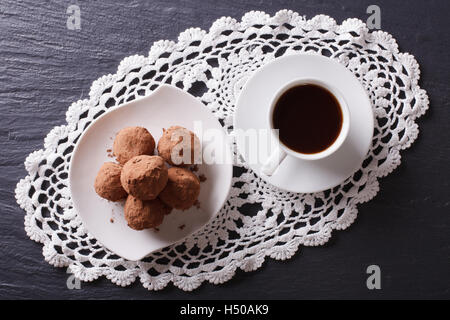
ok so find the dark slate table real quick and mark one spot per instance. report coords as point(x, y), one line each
point(405, 229)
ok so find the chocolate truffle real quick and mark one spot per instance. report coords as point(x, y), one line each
point(182, 189)
point(144, 214)
point(179, 146)
point(107, 183)
point(131, 142)
point(144, 176)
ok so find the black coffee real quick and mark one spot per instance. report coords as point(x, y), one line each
point(308, 117)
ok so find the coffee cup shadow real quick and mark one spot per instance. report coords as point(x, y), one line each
point(339, 161)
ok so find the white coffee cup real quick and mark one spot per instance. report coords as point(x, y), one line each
point(281, 151)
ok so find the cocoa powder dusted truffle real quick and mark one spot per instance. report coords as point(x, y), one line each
point(107, 183)
point(144, 214)
point(179, 146)
point(131, 142)
point(182, 189)
point(144, 176)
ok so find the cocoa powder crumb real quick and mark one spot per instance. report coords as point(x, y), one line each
point(197, 204)
point(156, 229)
point(110, 153)
point(111, 220)
point(194, 168)
point(181, 227)
point(202, 178)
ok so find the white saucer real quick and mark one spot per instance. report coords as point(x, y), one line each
point(293, 174)
point(165, 107)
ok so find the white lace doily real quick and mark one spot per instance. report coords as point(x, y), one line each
point(257, 221)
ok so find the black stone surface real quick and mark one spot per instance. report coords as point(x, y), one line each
point(405, 229)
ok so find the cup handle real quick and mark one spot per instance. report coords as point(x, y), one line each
point(274, 161)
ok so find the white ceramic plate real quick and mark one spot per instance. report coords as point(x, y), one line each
point(165, 107)
point(298, 175)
